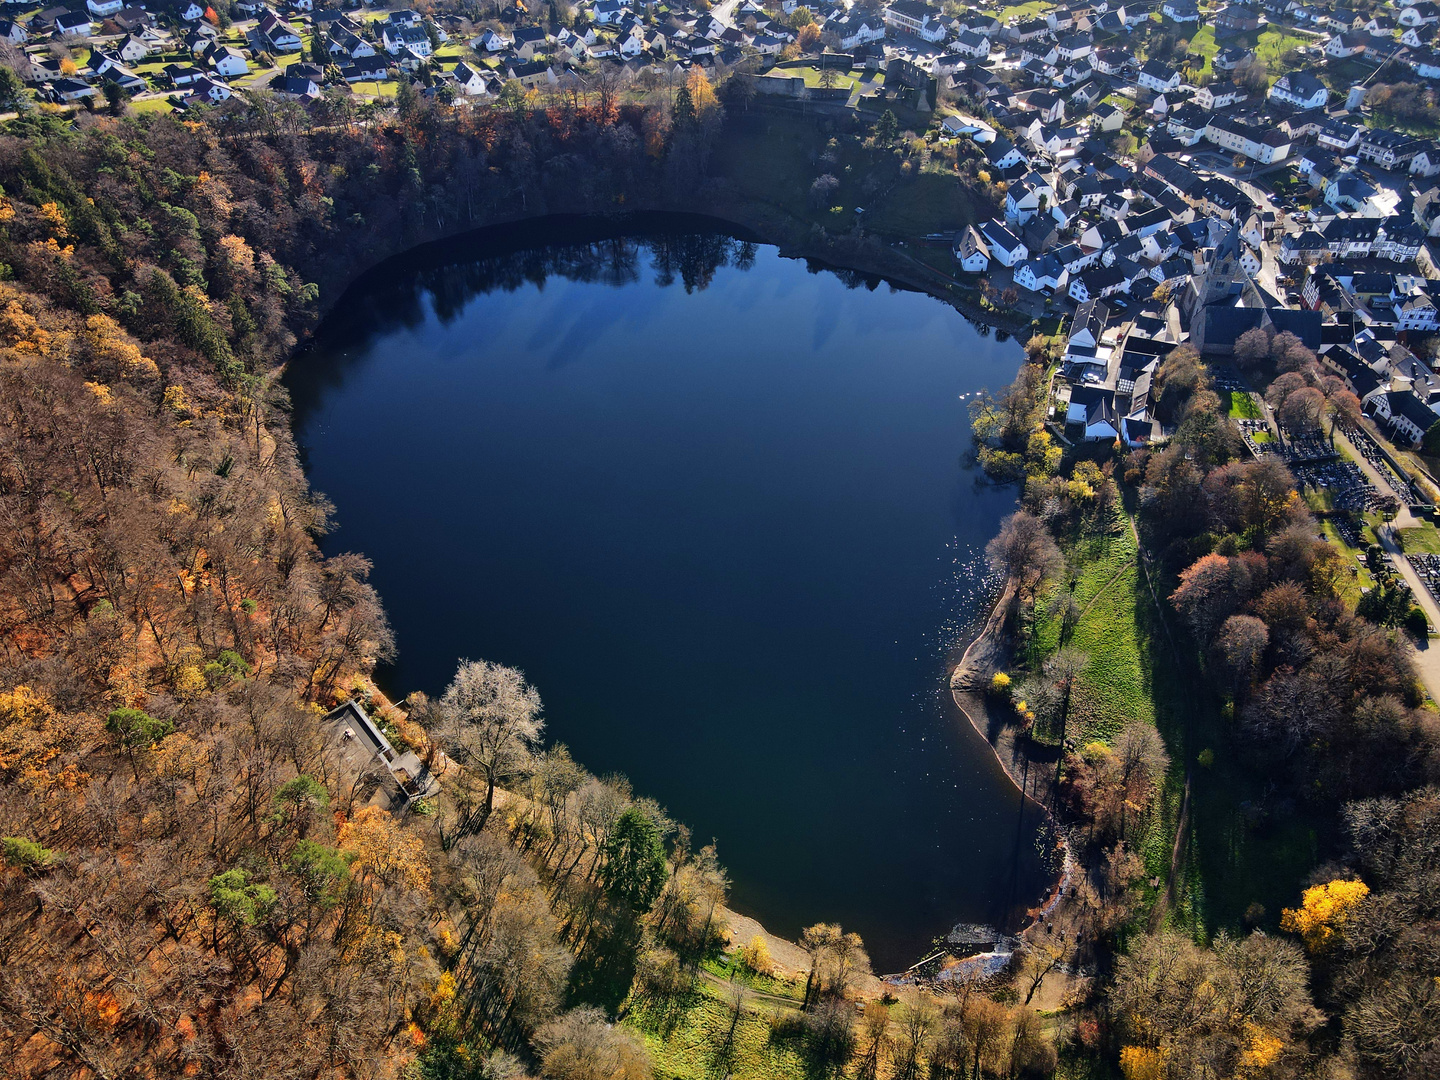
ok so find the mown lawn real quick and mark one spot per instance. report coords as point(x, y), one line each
point(687, 1039)
point(1422, 540)
point(1270, 44)
point(1240, 405)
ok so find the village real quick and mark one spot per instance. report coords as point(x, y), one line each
point(1167, 172)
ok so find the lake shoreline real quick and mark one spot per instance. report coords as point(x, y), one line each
point(867, 256)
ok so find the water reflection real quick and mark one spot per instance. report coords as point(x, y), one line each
point(725, 527)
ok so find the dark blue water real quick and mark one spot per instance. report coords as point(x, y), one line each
point(714, 503)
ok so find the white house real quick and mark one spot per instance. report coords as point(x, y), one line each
point(1043, 273)
point(1181, 11)
point(972, 45)
point(103, 9)
point(914, 17)
point(1005, 247)
point(1300, 89)
point(228, 63)
point(1418, 14)
point(396, 39)
point(972, 252)
point(468, 81)
point(1158, 77)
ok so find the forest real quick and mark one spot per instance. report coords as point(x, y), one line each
point(193, 883)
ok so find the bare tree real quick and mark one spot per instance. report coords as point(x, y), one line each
point(1025, 553)
point(489, 726)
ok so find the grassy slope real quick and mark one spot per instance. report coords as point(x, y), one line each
point(686, 1039)
point(768, 156)
point(1236, 856)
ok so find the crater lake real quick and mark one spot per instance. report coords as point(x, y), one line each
point(717, 505)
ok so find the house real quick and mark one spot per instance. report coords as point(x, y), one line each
point(1074, 47)
point(74, 24)
point(914, 17)
point(529, 40)
point(1426, 162)
point(606, 12)
point(852, 31)
point(387, 778)
point(1237, 18)
point(1051, 107)
point(1096, 284)
point(530, 74)
point(296, 88)
point(971, 44)
point(1003, 154)
point(1028, 197)
point(131, 49)
point(1300, 89)
point(1419, 37)
point(373, 68)
point(1108, 118)
point(1005, 248)
point(1231, 57)
point(1095, 409)
point(396, 39)
point(406, 17)
point(978, 130)
point(1181, 11)
point(972, 252)
point(1418, 14)
point(1158, 77)
point(1343, 46)
point(1219, 95)
point(70, 90)
point(182, 75)
point(103, 9)
point(1380, 26)
point(1338, 135)
point(280, 36)
point(468, 81)
point(227, 62)
point(1424, 63)
point(490, 41)
point(1388, 149)
point(1043, 274)
point(1262, 144)
point(1408, 417)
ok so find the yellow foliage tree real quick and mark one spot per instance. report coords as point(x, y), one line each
point(1142, 1063)
point(54, 216)
point(702, 94)
point(112, 345)
point(756, 956)
point(1323, 912)
point(36, 738)
point(1262, 1049)
point(384, 849)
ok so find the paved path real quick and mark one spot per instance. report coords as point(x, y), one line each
point(1427, 654)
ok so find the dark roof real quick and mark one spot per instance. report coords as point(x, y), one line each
point(1305, 325)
